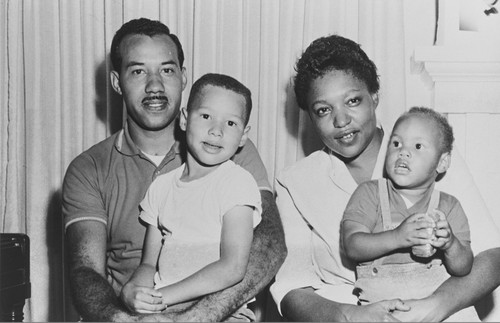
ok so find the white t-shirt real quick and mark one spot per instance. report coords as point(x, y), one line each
point(190, 214)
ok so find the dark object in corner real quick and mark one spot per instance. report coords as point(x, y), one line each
point(15, 284)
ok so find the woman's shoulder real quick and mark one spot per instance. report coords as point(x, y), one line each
point(311, 168)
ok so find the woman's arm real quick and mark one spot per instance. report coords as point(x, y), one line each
point(304, 305)
point(457, 293)
point(236, 239)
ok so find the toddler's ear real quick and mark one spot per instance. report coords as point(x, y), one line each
point(244, 137)
point(444, 163)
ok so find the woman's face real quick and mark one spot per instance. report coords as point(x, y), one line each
point(343, 112)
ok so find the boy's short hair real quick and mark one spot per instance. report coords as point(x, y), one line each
point(331, 53)
point(141, 26)
point(441, 122)
point(224, 81)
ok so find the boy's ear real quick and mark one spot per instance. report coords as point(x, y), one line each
point(115, 81)
point(183, 119)
point(244, 137)
point(444, 163)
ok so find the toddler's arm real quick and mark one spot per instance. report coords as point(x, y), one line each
point(458, 255)
point(138, 294)
point(236, 239)
point(362, 245)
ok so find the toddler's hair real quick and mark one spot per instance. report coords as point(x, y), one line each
point(441, 122)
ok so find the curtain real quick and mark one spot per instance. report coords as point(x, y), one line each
point(56, 100)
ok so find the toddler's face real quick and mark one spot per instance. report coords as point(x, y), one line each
point(215, 126)
point(413, 154)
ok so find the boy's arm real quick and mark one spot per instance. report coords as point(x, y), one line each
point(138, 294)
point(362, 245)
point(236, 238)
point(458, 258)
point(267, 253)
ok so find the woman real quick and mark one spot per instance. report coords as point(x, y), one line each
point(337, 84)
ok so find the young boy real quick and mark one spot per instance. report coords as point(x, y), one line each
point(200, 217)
point(392, 228)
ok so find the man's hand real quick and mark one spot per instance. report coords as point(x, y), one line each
point(142, 299)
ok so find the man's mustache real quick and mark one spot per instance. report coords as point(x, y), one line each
point(155, 98)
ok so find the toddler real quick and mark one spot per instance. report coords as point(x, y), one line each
point(406, 237)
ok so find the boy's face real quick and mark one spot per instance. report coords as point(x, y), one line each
point(413, 157)
point(215, 125)
point(151, 81)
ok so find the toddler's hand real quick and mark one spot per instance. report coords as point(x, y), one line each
point(412, 232)
point(444, 234)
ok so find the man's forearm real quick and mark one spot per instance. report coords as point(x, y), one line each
point(93, 297)
point(267, 253)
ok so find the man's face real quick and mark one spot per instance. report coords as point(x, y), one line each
point(151, 81)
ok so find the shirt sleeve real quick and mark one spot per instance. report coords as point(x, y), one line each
point(248, 157)
point(149, 208)
point(297, 270)
point(458, 181)
point(456, 218)
point(240, 188)
point(81, 197)
point(363, 206)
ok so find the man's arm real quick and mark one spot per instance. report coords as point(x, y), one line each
point(457, 293)
point(304, 305)
point(268, 251)
point(93, 296)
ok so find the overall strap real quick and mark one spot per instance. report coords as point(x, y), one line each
point(386, 213)
point(384, 204)
point(434, 202)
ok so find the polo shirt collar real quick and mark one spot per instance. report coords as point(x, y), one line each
point(125, 145)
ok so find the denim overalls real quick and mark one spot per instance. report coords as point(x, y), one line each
point(377, 281)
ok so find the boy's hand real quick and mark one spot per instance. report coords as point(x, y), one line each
point(140, 299)
point(412, 232)
point(444, 234)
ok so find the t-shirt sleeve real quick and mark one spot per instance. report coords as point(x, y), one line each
point(149, 206)
point(81, 197)
point(240, 188)
point(457, 218)
point(363, 205)
point(248, 157)
point(458, 181)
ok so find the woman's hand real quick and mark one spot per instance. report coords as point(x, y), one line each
point(140, 299)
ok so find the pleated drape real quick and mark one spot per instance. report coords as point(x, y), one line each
point(56, 100)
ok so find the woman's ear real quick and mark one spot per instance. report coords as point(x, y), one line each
point(183, 119)
point(115, 81)
point(444, 163)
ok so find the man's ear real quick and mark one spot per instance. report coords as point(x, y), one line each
point(115, 81)
point(444, 163)
point(184, 78)
point(244, 137)
point(183, 119)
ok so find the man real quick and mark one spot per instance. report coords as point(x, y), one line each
point(105, 184)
